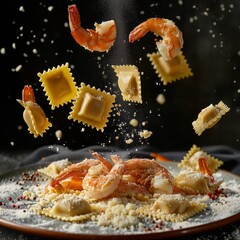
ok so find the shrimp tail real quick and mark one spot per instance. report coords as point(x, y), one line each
point(138, 32)
point(28, 94)
point(74, 17)
point(159, 157)
point(203, 166)
point(101, 159)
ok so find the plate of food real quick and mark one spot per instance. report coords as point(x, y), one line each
point(134, 198)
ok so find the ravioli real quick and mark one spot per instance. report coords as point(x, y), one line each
point(59, 85)
point(129, 82)
point(170, 70)
point(92, 107)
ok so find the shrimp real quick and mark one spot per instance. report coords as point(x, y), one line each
point(99, 182)
point(131, 189)
point(159, 157)
point(71, 178)
point(194, 182)
point(33, 114)
point(148, 173)
point(204, 169)
point(171, 42)
point(99, 40)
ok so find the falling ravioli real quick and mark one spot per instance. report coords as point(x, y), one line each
point(171, 70)
point(58, 85)
point(129, 82)
point(33, 114)
point(209, 116)
point(92, 107)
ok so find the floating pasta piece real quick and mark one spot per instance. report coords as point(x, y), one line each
point(58, 85)
point(92, 107)
point(171, 70)
point(193, 182)
point(209, 116)
point(190, 160)
point(129, 82)
point(33, 114)
point(66, 207)
point(54, 168)
point(173, 208)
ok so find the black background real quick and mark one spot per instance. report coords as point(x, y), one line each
point(211, 32)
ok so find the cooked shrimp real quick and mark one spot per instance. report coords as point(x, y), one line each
point(204, 169)
point(99, 182)
point(149, 174)
point(130, 189)
point(172, 40)
point(33, 114)
point(71, 178)
point(99, 40)
point(159, 157)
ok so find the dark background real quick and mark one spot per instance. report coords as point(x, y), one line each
point(35, 34)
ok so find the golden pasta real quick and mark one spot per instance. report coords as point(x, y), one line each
point(92, 107)
point(209, 116)
point(129, 82)
point(171, 70)
point(190, 160)
point(59, 85)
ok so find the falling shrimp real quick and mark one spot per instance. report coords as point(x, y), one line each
point(101, 39)
point(33, 114)
point(172, 41)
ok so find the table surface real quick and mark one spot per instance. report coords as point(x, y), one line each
point(9, 161)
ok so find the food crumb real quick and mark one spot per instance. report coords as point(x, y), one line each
point(161, 98)
point(145, 134)
point(3, 51)
point(58, 134)
point(21, 9)
point(18, 68)
point(128, 141)
point(134, 122)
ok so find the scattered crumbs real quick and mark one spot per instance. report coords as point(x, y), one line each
point(129, 141)
point(145, 134)
point(18, 68)
point(161, 99)
point(21, 9)
point(180, 2)
point(34, 51)
point(50, 8)
point(133, 122)
point(58, 134)
point(3, 51)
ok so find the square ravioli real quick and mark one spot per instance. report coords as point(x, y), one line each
point(172, 70)
point(190, 160)
point(58, 85)
point(92, 107)
point(129, 82)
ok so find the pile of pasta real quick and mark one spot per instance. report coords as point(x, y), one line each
point(191, 187)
